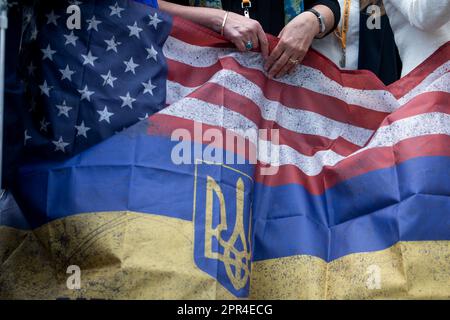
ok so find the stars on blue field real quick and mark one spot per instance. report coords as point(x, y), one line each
point(89, 84)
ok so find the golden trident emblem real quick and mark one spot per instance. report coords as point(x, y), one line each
point(231, 257)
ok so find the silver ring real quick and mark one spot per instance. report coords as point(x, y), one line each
point(249, 45)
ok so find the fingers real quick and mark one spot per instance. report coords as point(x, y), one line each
point(263, 42)
point(299, 60)
point(255, 40)
point(240, 44)
point(278, 66)
point(289, 66)
point(292, 64)
point(287, 60)
point(274, 56)
point(240, 30)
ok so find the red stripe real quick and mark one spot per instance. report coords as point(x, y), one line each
point(364, 162)
point(359, 79)
point(437, 101)
point(411, 80)
point(366, 80)
point(310, 144)
point(307, 144)
point(289, 96)
point(302, 143)
point(165, 125)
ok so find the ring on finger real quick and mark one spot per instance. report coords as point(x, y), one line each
point(249, 45)
point(293, 61)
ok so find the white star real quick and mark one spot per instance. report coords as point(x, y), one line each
point(71, 39)
point(26, 137)
point(86, 94)
point(44, 125)
point(93, 23)
point(31, 68)
point(145, 117)
point(45, 89)
point(131, 66)
point(52, 18)
point(82, 130)
point(89, 59)
point(135, 30)
point(116, 10)
point(66, 73)
point(60, 145)
point(109, 79)
point(34, 33)
point(112, 44)
point(127, 101)
point(63, 109)
point(148, 87)
point(28, 15)
point(48, 53)
point(154, 20)
point(105, 115)
point(152, 53)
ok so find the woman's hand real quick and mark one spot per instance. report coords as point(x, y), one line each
point(240, 30)
point(295, 40)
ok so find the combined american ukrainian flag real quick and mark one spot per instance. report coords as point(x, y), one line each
point(356, 205)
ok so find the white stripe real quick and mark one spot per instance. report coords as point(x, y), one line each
point(276, 155)
point(200, 111)
point(415, 126)
point(305, 77)
point(439, 80)
point(300, 121)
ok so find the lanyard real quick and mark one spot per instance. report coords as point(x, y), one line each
point(342, 34)
point(246, 5)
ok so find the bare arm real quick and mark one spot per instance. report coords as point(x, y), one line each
point(238, 29)
point(295, 40)
point(208, 17)
point(327, 14)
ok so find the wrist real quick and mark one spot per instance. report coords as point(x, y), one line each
point(216, 19)
point(309, 21)
point(314, 21)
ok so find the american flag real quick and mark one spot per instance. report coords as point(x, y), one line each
point(333, 124)
point(84, 85)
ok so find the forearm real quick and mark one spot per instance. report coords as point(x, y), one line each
point(208, 17)
point(330, 9)
point(329, 19)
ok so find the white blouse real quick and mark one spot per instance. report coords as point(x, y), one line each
point(330, 46)
point(420, 28)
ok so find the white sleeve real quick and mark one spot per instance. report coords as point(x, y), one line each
point(426, 15)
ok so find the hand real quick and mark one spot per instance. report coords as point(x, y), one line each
point(295, 40)
point(239, 30)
